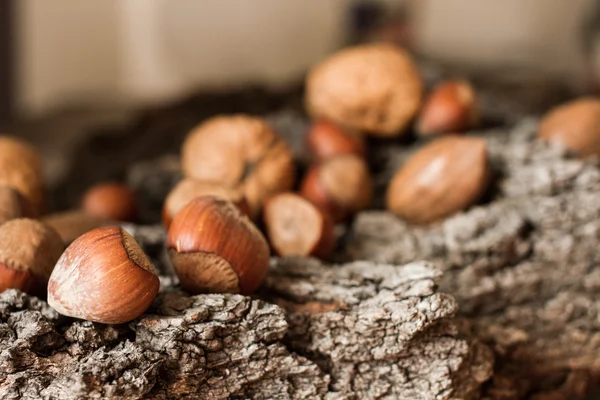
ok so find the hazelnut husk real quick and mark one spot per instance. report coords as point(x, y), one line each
point(240, 151)
point(446, 176)
point(103, 276)
point(374, 88)
point(325, 140)
point(28, 251)
point(188, 189)
point(215, 248)
point(111, 201)
point(341, 185)
point(450, 108)
point(297, 227)
point(574, 126)
point(73, 223)
point(21, 169)
point(13, 205)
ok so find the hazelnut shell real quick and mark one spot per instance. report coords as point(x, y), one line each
point(28, 253)
point(446, 176)
point(13, 205)
point(375, 88)
point(297, 227)
point(216, 248)
point(325, 140)
point(72, 224)
point(574, 126)
point(103, 276)
point(110, 201)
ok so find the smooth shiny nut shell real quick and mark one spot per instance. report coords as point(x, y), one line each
point(451, 108)
point(444, 177)
point(28, 252)
point(326, 140)
point(574, 126)
point(111, 201)
point(297, 227)
point(103, 276)
point(216, 248)
point(374, 88)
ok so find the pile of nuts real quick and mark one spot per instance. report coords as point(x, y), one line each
point(241, 177)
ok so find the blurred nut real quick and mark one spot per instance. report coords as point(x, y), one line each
point(297, 227)
point(72, 224)
point(240, 151)
point(450, 108)
point(215, 248)
point(188, 189)
point(374, 88)
point(574, 126)
point(325, 140)
point(340, 185)
point(13, 205)
point(21, 169)
point(444, 177)
point(28, 251)
point(110, 201)
point(103, 276)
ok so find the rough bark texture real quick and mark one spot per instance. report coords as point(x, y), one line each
point(523, 266)
point(360, 330)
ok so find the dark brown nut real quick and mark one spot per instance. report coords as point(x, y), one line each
point(240, 151)
point(13, 205)
point(28, 251)
point(340, 185)
point(373, 88)
point(111, 201)
point(215, 248)
point(103, 276)
point(297, 227)
point(72, 224)
point(444, 177)
point(188, 189)
point(450, 108)
point(325, 140)
point(21, 169)
point(574, 126)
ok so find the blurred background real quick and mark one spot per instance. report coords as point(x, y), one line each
point(76, 71)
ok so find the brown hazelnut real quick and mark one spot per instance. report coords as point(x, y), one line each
point(13, 205)
point(240, 151)
point(110, 200)
point(446, 176)
point(188, 189)
point(325, 140)
point(28, 251)
point(450, 108)
point(103, 276)
point(374, 88)
point(297, 227)
point(72, 224)
point(340, 185)
point(216, 248)
point(21, 169)
point(574, 126)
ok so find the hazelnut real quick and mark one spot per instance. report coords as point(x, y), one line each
point(574, 126)
point(13, 205)
point(374, 88)
point(188, 189)
point(72, 224)
point(444, 177)
point(325, 140)
point(111, 201)
point(103, 276)
point(21, 169)
point(340, 185)
point(216, 248)
point(240, 151)
point(297, 227)
point(451, 107)
point(28, 251)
